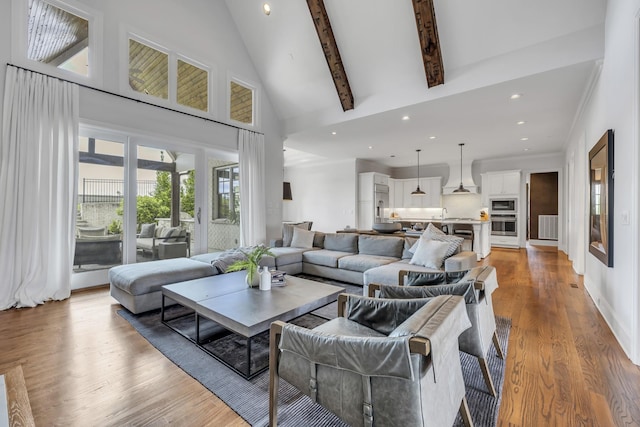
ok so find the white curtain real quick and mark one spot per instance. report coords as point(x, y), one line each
point(253, 215)
point(38, 163)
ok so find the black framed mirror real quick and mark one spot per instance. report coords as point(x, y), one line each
point(601, 176)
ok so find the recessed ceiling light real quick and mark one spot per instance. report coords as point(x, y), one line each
point(333, 133)
point(266, 8)
point(524, 139)
point(521, 122)
point(432, 137)
point(526, 149)
point(405, 117)
point(516, 95)
point(370, 147)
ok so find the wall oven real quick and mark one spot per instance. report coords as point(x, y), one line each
point(509, 206)
point(504, 225)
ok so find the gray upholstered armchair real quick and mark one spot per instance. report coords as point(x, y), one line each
point(476, 286)
point(381, 362)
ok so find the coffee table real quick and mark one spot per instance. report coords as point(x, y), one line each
point(226, 300)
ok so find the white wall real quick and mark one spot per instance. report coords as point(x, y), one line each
point(323, 193)
point(613, 104)
point(203, 31)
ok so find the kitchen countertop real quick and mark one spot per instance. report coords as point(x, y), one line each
point(442, 221)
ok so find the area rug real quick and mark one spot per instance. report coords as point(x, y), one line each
point(250, 399)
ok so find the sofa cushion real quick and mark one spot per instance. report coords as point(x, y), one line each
point(362, 262)
point(388, 274)
point(286, 256)
point(147, 230)
point(144, 243)
point(409, 247)
point(302, 238)
point(430, 253)
point(385, 246)
point(343, 242)
point(325, 257)
point(174, 234)
point(91, 231)
point(146, 277)
point(318, 239)
point(287, 231)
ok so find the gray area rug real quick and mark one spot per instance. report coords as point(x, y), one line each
point(250, 399)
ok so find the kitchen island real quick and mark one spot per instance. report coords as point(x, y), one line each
point(481, 231)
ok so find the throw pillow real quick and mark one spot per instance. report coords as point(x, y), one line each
point(302, 238)
point(287, 231)
point(147, 230)
point(433, 233)
point(430, 253)
point(172, 234)
point(432, 229)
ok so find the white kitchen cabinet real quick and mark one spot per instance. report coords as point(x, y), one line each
point(379, 178)
point(411, 201)
point(398, 193)
point(502, 183)
point(431, 187)
point(505, 241)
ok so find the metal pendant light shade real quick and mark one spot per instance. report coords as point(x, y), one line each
point(418, 191)
point(461, 188)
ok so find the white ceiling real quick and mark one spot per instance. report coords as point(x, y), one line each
point(545, 50)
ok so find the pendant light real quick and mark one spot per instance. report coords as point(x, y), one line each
point(418, 191)
point(461, 189)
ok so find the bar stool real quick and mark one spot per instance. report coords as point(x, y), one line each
point(466, 232)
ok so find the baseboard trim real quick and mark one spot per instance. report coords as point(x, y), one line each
point(536, 242)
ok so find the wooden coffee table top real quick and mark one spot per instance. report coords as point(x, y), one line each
point(228, 301)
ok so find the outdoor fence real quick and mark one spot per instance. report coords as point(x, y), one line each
point(110, 190)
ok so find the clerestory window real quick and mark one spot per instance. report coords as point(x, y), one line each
point(58, 35)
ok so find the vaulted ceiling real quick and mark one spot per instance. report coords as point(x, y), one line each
point(547, 51)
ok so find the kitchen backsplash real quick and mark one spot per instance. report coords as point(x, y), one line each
point(457, 206)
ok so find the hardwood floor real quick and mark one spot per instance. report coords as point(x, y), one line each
point(85, 365)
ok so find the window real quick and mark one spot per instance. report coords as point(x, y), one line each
point(58, 37)
point(227, 187)
point(148, 70)
point(240, 103)
point(193, 86)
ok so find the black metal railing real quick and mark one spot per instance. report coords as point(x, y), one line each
point(110, 190)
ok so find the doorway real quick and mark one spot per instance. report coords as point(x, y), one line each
point(543, 211)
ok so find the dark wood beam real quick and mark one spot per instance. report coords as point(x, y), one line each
point(331, 53)
point(110, 160)
point(429, 42)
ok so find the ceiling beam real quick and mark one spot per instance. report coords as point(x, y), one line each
point(331, 53)
point(429, 42)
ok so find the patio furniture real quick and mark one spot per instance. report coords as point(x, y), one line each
point(159, 234)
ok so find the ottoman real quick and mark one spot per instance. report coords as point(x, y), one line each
point(137, 286)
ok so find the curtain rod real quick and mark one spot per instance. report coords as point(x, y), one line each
point(131, 99)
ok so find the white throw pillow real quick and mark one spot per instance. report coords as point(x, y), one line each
point(302, 238)
point(430, 253)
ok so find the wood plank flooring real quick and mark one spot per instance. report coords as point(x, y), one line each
point(85, 365)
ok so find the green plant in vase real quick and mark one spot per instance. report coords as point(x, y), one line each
point(251, 263)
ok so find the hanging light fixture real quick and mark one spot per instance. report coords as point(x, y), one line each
point(418, 191)
point(461, 189)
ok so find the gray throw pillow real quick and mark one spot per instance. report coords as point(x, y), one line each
point(302, 238)
point(147, 230)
